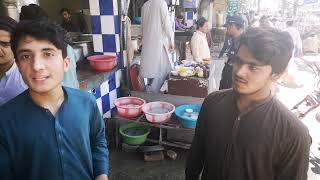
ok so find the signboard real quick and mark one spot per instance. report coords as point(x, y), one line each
point(310, 1)
point(233, 6)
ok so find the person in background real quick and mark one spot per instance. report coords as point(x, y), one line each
point(48, 139)
point(200, 49)
point(226, 43)
point(32, 11)
point(246, 14)
point(288, 80)
point(246, 21)
point(35, 12)
point(199, 44)
point(235, 27)
point(265, 22)
point(275, 23)
point(251, 17)
point(11, 82)
point(179, 23)
point(245, 133)
point(255, 23)
point(71, 23)
point(295, 34)
point(157, 44)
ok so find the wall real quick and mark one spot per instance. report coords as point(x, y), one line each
point(106, 40)
point(3, 9)
point(27, 2)
point(53, 7)
point(207, 12)
point(219, 6)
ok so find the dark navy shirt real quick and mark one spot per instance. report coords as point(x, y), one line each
point(35, 145)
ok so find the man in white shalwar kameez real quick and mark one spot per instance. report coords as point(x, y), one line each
point(288, 79)
point(157, 41)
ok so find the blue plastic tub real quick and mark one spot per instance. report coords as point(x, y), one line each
point(187, 122)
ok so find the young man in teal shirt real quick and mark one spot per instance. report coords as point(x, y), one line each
point(49, 132)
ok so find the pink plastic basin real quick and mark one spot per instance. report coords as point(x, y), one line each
point(102, 62)
point(158, 112)
point(129, 107)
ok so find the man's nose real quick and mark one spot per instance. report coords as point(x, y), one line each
point(241, 70)
point(1, 51)
point(38, 63)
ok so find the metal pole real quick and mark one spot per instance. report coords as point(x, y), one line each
point(160, 136)
point(3, 9)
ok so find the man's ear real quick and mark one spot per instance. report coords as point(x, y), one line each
point(66, 64)
point(275, 77)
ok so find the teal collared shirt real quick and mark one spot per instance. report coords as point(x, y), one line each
point(35, 145)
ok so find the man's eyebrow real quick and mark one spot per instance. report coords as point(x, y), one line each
point(249, 63)
point(27, 50)
point(4, 41)
point(48, 49)
point(23, 51)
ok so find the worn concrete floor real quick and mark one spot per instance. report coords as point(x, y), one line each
point(130, 166)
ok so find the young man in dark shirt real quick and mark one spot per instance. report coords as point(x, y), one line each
point(245, 133)
point(49, 132)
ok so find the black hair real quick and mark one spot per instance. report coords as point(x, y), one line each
point(289, 23)
point(7, 24)
point(32, 11)
point(200, 23)
point(65, 10)
point(40, 30)
point(179, 16)
point(269, 46)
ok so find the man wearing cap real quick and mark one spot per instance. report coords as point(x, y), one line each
point(235, 27)
point(11, 82)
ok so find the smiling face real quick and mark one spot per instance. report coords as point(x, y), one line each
point(41, 64)
point(251, 76)
point(6, 55)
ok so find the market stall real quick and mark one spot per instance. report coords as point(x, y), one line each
point(181, 95)
point(173, 131)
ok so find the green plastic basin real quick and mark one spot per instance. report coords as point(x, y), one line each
point(134, 133)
